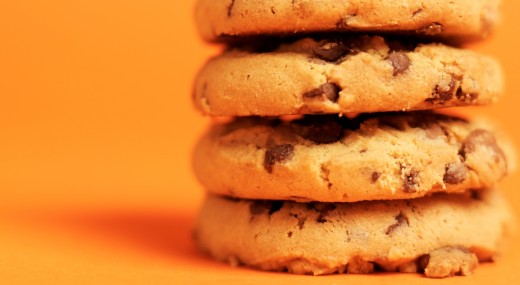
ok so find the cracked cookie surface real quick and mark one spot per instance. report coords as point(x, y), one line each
point(336, 159)
point(341, 75)
point(460, 20)
point(442, 235)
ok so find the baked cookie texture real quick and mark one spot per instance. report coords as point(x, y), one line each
point(344, 74)
point(460, 20)
point(333, 159)
point(441, 235)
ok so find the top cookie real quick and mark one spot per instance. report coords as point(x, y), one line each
point(461, 20)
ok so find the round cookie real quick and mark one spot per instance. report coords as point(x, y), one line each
point(342, 75)
point(441, 235)
point(459, 21)
point(333, 159)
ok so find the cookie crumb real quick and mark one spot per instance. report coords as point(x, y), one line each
point(450, 261)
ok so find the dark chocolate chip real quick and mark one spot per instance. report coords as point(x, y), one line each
point(327, 91)
point(400, 61)
point(411, 181)
point(456, 173)
point(375, 176)
point(277, 154)
point(324, 133)
point(289, 234)
point(331, 50)
point(431, 29)
point(401, 220)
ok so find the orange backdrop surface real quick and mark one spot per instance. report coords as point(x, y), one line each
point(96, 131)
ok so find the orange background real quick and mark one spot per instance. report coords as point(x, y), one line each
point(96, 130)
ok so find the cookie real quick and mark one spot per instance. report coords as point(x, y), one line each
point(441, 235)
point(461, 20)
point(333, 159)
point(342, 75)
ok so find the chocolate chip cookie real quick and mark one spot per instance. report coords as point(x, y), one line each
point(341, 75)
point(339, 159)
point(441, 235)
point(460, 20)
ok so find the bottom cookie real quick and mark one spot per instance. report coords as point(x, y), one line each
point(441, 235)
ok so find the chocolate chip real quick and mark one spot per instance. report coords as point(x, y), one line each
point(289, 234)
point(324, 133)
point(261, 207)
point(431, 29)
point(400, 61)
point(411, 181)
point(375, 176)
point(277, 154)
point(330, 50)
point(480, 137)
point(327, 91)
point(456, 173)
point(401, 219)
point(441, 94)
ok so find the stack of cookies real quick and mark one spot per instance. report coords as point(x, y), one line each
point(332, 158)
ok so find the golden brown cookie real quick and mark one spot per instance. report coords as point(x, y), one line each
point(441, 235)
point(341, 75)
point(460, 20)
point(332, 159)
